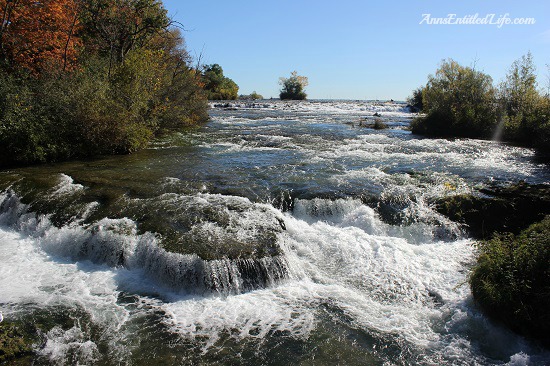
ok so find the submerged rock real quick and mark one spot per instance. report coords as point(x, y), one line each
point(195, 242)
point(13, 342)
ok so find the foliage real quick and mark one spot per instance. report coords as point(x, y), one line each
point(415, 100)
point(112, 102)
point(511, 279)
point(115, 27)
point(458, 101)
point(379, 124)
point(293, 87)
point(39, 35)
point(527, 112)
point(218, 86)
point(539, 127)
point(251, 96)
point(518, 92)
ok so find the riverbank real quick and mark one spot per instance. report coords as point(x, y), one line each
point(511, 277)
point(272, 235)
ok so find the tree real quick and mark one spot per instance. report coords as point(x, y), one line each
point(415, 100)
point(293, 87)
point(520, 98)
point(134, 79)
point(218, 86)
point(39, 35)
point(252, 96)
point(458, 101)
point(113, 28)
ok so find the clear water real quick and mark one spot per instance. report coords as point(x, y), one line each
point(279, 233)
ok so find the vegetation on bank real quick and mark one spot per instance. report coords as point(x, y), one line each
point(251, 96)
point(293, 87)
point(86, 78)
point(511, 280)
point(218, 86)
point(511, 277)
point(459, 101)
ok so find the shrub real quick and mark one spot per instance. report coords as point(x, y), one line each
point(511, 279)
point(218, 86)
point(293, 87)
point(133, 81)
point(379, 124)
point(458, 101)
point(251, 96)
point(415, 100)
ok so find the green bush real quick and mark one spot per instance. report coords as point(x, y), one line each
point(133, 82)
point(218, 86)
point(462, 102)
point(458, 101)
point(251, 96)
point(511, 279)
point(415, 100)
point(293, 87)
point(96, 111)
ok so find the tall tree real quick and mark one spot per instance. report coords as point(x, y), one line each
point(218, 86)
point(519, 91)
point(39, 35)
point(115, 27)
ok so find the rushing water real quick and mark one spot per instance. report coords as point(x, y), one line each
point(279, 233)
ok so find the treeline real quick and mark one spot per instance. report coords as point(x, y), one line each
point(81, 78)
point(218, 86)
point(459, 101)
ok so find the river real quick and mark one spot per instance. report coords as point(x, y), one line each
point(278, 233)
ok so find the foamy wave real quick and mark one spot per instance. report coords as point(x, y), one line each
point(312, 106)
point(115, 242)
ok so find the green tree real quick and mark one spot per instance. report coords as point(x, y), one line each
point(415, 100)
point(251, 96)
point(458, 101)
point(520, 99)
point(293, 87)
point(218, 86)
point(115, 27)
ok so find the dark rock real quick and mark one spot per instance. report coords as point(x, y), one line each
point(13, 343)
point(498, 209)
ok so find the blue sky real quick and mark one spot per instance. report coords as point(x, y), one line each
point(357, 49)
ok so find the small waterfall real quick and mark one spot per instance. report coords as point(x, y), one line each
point(116, 242)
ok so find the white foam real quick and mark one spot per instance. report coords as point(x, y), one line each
point(316, 106)
point(341, 256)
point(30, 278)
point(66, 186)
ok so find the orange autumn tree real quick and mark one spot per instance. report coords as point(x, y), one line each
point(39, 35)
